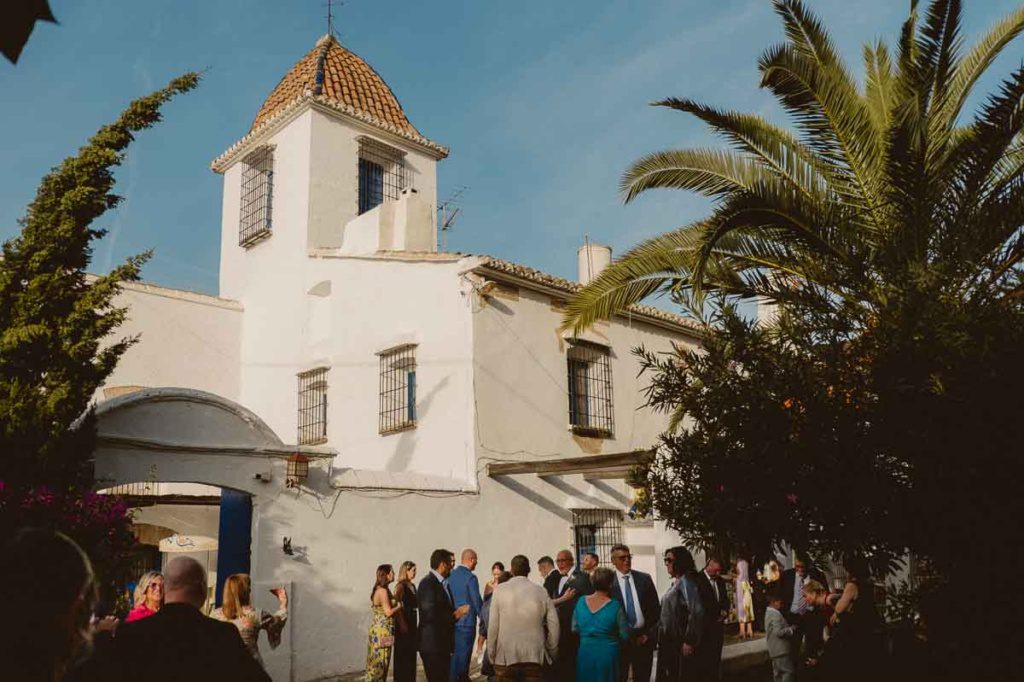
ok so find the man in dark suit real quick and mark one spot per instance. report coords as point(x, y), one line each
point(797, 612)
point(715, 600)
point(639, 598)
point(565, 586)
point(179, 643)
point(437, 618)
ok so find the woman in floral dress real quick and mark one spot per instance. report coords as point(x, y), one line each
point(382, 627)
point(236, 608)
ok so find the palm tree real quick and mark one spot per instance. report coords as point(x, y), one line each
point(877, 185)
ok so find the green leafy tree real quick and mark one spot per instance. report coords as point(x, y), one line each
point(56, 321)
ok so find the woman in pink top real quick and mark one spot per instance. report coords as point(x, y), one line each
point(149, 596)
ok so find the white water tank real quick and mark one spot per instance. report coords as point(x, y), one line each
point(591, 260)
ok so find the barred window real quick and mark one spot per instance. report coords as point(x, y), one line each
point(398, 389)
point(257, 196)
point(596, 531)
point(382, 174)
point(590, 390)
point(313, 406)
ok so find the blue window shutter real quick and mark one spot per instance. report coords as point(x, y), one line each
point(371, 185)
point(410, 397)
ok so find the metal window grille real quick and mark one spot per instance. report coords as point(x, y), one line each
point(382, 174)
point(597, 531)
point(257, 196)
point(397, 389)
point(590, 390)
point(313, 406)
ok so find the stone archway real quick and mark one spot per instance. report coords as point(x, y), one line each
point(179, 435)
point(183, 435)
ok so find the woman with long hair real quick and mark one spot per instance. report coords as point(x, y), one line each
point(382, 627)
point(855, 640)
point(149, 596)
point(744, 597)
point(497, 569)
point(236, 608)
point(408, 624)
point(680, 618)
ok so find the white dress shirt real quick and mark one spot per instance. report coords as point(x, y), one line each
point(444, 584)
point(561, 583)
point(621, 577)
point(798, 604)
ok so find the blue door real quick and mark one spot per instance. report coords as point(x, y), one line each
point(234, 537)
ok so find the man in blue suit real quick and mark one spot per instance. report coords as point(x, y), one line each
point(465, 591)
point(639, 598)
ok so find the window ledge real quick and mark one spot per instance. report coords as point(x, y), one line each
point(255, 239)
point(407, 426)
point(591, 431)
point(314, 441)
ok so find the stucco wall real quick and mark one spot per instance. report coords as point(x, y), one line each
point(185, 339)
point(334, 175)
point(521, 380)
point(376, 304)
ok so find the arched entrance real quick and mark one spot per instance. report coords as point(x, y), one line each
point(162, 436)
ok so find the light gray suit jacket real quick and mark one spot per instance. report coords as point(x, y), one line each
point(779, 633)
point(523, 625)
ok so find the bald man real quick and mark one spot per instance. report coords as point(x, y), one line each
point(465, 590)
point(179, 643)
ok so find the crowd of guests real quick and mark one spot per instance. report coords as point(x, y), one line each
point(590, 624)
point(54, 634)
point(605, 624)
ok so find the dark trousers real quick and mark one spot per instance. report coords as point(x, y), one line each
point(637, 658)
point(464, 638)
point(436, 666)
point(404, 657)
point(564, 667)
point(709, 653)
point(669, 655)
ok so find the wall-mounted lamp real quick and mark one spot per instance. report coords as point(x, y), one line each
point(286, 546)
point(298, 470)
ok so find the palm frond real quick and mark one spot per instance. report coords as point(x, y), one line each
point(775, 147)
point(976, 62)
point(878, 90)
point(710, 172)
point(650, 266)
point(834, 118)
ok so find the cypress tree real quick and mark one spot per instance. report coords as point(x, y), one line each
point(58, 323)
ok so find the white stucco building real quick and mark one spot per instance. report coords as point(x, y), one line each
point(439, 402)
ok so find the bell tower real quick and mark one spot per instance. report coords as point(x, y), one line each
point(331, 161)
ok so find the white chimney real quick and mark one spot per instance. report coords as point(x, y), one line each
point(591, 260)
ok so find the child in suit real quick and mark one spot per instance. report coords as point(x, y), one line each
point(779, 633)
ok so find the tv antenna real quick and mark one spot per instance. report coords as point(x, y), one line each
point(449, 210)
point(330, 15)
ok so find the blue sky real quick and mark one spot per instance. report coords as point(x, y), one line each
point(543, 104)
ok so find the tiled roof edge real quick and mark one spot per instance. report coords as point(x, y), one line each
point(220, 163)
point(525, 272)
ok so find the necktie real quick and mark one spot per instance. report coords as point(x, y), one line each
point(628, 596)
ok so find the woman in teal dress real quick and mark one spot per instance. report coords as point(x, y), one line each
point(601, 624)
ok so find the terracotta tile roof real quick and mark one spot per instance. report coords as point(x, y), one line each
point(340, 76)
point(333, 77)
point(529, 274)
